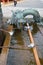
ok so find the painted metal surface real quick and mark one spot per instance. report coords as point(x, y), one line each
point(18, 17)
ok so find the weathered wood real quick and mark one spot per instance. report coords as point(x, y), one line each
point(3, 56)
point(34, 48)
point(7, 40)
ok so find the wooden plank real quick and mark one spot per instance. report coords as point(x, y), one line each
point(4, 54)
point(6, 43)
point(7, 40)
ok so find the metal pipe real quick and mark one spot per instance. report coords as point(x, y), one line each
point(34, 48)
point(4, 30)
point(12, 47)
point(10, 32)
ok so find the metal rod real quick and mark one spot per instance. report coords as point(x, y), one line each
point(12, 47)
point(34, 48)
point(3, 30)
point(6, 30)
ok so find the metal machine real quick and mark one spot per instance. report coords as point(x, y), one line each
point(18, 17)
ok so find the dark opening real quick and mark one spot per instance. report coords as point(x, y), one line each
point(2, 39)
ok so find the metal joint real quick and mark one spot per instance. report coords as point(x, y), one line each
point(27, 27)
point(31, 45)
point(11, 33)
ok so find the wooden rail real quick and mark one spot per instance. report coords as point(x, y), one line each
point(7, 40)
point(34, 48)
point(3, 56)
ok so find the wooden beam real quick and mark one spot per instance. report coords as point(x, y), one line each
point(4, 54)
point(7, 40)
point(34, 48)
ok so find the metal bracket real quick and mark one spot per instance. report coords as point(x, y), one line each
point(31, 45)
point(27, 27)
point(11, 33)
